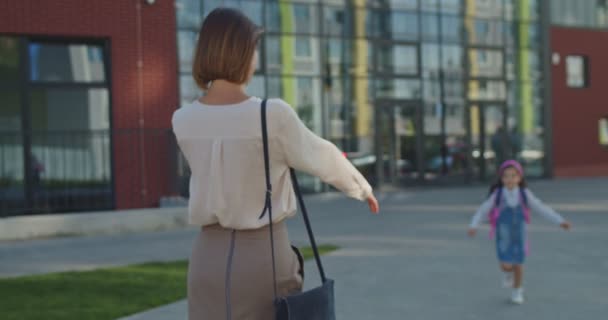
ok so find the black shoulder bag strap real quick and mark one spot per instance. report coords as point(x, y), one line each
point(268, 204)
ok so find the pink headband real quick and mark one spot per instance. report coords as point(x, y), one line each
point(513, 164)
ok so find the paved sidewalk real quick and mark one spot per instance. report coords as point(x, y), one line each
point(413, 261)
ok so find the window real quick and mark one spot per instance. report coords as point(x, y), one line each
point(66, 138)
point(576, 72)
point(398, 59)
point(485, 63)
point(51, 62)
point(188, 13)
point(603, 131)
point(404, 25)
point(9, 60)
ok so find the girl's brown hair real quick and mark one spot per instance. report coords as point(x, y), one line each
point(226, 45)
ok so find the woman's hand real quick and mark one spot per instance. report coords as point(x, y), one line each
point(565, 225)
point(472, 232)
point(374, 207)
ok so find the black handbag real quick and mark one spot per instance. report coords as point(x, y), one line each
point(314, 304)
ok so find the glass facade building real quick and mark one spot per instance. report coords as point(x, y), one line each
point(412, 91)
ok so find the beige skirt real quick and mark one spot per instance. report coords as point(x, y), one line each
point(230, 273)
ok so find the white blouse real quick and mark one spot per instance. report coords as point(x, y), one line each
point(512, 199)
point(223, 147)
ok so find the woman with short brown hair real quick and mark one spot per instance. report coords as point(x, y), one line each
point(230, 270)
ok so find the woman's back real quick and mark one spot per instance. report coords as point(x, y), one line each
point(223, 147)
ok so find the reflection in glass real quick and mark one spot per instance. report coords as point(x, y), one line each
point(403, 25)
point(11, 170)
point(69, 109)
point(188, 89)
point(9, 59)
point(186, 42)
point(188, 13)
point(10, 111)
point(398, 59)
point(485, 8)
point(287, 17)
point(487, 90)
point(485, 32)
point(253, 9)
point(398, 88)
point(485, 63)
point(334, 20)
point(430, 24)
point(256, 87)
point(451, 28)
point(52, 62)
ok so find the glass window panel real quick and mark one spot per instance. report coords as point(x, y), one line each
point(335, 20)
point(485, 63)
point(601, 13)
point(430, 5)
point(452, 56)
point(188, 13)
point(398, 88)
point(534, 9)
point(432, 91)
point(576, 71)
point(339, 55)
point(9, 60)
point(509, 9)
point(404, 25)
point(274, 88)
point(453, 91)
point(188, 89)
point(52, 62)
point(485, 32)
point(273, 54)
point(256, 86)
point(11, 169)
point(403, 4)
point(308, 102)
point(430, 25)
point(371, 19)
point(485, 8)
point(301, 55)
point(451, 28)
point(398, 59)
point(511, 64)
point(305, 19)
point(305, 58)
point(186, 41)
point(253, 9)
point(529, 35)
point(10, 111)
point(480, 90)
point(430, 60)
point(452, 6)
point(532, 69)
point(272, 17)
point(70, 109)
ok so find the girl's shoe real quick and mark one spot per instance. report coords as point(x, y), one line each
point(518, 296)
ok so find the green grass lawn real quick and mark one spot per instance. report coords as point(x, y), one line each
point(104, 294)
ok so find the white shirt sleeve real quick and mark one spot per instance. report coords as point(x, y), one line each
point(544, 210)
point(307, 152)
point(483, 211)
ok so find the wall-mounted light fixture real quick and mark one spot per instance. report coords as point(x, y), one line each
point(150, 2)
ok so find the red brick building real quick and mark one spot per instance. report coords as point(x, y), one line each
point(579, 85)
point(117, 60)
